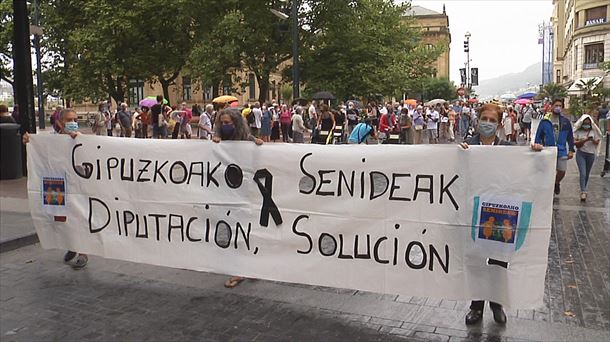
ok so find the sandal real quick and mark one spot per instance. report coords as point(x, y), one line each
point(233, 281)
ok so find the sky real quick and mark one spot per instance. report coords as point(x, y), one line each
point(504, 34)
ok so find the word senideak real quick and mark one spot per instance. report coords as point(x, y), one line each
point(177, 172)
point(398, 186)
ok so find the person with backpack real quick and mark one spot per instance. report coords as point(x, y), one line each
point(362, 132)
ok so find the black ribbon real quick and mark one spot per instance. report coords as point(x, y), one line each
point(266, 190)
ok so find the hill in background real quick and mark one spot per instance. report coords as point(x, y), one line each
point(510, 83)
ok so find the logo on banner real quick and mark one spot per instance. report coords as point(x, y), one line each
point(54, 191)
point(501, 221)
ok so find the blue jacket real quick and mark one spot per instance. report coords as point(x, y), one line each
point(546, 136)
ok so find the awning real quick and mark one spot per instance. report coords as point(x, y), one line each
point(575, 89)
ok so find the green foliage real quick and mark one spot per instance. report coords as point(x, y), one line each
point(431, 88)
point(363, 48)
point(553, 91)
point(286, 92)
point(6, 37)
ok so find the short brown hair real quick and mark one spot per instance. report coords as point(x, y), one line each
point(3, 108)
point(493, 108)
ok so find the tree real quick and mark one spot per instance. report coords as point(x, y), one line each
point(553, 91)
point(360, 48)
point(6, 42)
point(432, 88)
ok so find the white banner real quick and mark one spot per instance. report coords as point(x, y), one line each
point(417, 220)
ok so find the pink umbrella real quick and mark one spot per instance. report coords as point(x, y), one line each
point(523, 101)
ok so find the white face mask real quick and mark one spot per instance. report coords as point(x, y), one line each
point(71, 126)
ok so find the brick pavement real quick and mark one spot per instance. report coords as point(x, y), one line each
point(40, 298)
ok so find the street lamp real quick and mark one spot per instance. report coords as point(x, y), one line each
point(467, 50)
point(296, 93)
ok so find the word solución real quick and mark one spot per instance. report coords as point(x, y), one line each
point(399, 186)
point(168, 227)
point(350, 247)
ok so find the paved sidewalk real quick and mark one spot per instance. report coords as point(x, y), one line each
point(42, 299)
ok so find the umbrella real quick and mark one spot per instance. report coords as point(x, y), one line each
point(411, 102)
point(225, 99)
point(323, 95)
point(435, 102)
point(528, 95)
point(523, 101)
point(300, 101)
point(150, 101)
point(507, 97)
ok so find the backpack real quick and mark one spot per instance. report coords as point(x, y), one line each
point(250, 117)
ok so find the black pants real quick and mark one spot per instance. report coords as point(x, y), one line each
point(480, 304)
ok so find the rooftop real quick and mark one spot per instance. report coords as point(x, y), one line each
point(421, 11)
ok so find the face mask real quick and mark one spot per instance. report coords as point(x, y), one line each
point(487, 129)
point(557, 110)
point(71, 126)
point(586, 127)
point(227, 130)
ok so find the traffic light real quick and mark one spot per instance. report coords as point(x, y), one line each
point(466, 46)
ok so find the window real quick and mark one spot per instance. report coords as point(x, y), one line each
point(594, 54)
point(596, 15)
point(576, 23)
point(575, 57)
point(136, 91)
point(558, 77)
point(251, 87)
point(208, 93)
point(226, 85)
point(186, 88)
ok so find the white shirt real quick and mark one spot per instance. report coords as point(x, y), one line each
point(258, 114)
point(204, 120)
point(433, 116)
point(312, 112)
point(383, 110)
point(588, 147)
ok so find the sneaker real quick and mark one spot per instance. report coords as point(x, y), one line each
point(69, 256)
point(80, 262)
point(474, 317)
point(583, 196)
point(557, 189)
point(499, 315)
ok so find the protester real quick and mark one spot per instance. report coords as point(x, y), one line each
point(266, 123)
point(432, 117)
point(124, 120)
point(67, 123)
point(451, 128)
point(285, 122)
point(352, 117)
point(526, 121)
point(144, 118)
point(508, 125)
point(230, 125)
point(340, 123)
point(256, 115)
point(204, 126)
point(298, 127)
point(587, 137)
point(5, 116)
point(419, 124)
point(155, 111)
point(275, 126)
point(387, 124)
point(556, 130)
point(362, 132)
point(489, 116)
point(406, 127)
point(602, 117)
point(186, 115)
point(326, 123)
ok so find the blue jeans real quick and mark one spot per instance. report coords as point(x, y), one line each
point(584, 161)
point(463, 126)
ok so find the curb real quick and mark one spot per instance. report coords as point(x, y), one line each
point(26, 240)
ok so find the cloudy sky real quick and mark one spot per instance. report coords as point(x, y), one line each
point(504, 33)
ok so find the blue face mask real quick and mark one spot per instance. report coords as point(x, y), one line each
point(557, 110)
point(227, 130)
point(71, 127)
point(487, 129)
point(587, 127)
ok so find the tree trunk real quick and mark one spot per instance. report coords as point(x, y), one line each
point(165, 87)
point(216, 90)
point(263, 87)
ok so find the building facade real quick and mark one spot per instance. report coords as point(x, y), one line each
point(435, 27)
point(581, 38)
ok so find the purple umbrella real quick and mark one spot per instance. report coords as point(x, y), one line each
point(150, 101)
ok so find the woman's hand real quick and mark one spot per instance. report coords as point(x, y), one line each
point(464, 145)
point(537, 147)
point(258, 141)
point(216, 139)
point(25, 138)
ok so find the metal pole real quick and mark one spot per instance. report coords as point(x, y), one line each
point(39, 86)
point(543, 55)
point(22, 62)
point(468, 78)
point(296, 92)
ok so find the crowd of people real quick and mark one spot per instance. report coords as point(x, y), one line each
point(394, 123)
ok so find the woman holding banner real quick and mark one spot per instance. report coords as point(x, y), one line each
point(231, 125)
point(489, 117)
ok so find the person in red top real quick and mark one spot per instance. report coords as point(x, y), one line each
point(387, 123)
point(144, 118)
